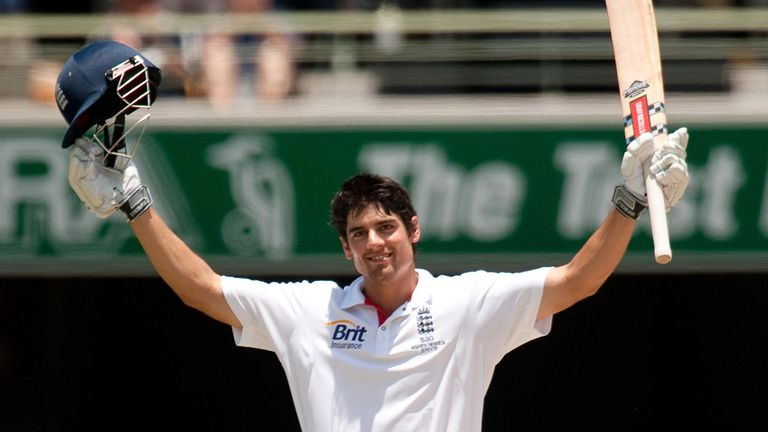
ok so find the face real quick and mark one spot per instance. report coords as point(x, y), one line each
point(379, 244)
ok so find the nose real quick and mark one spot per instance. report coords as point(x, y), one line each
point(374, 239)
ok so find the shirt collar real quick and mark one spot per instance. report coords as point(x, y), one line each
point(423, 292)
point(353, 294)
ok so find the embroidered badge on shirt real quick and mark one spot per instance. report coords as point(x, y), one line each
point(424, 322)
point(425, 326)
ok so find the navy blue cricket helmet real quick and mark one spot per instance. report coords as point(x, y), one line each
point(101, 80)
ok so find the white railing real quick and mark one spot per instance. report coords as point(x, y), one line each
point(411, 22)
point(704, 42)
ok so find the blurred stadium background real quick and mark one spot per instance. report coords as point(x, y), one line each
point(503, 120)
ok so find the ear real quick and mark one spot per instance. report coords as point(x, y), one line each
point(415, 230)
point(345, 248)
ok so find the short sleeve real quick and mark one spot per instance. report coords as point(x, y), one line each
point(270, 311)
point(506, 308)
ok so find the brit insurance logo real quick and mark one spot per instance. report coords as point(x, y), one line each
point(346, 335)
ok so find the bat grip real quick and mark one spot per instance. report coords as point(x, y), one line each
point(657, 211)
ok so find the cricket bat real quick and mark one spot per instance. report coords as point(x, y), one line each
point(641, 91)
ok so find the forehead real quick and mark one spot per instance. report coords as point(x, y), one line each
point(371, 214)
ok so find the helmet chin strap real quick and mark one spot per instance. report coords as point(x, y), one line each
point(117, 143)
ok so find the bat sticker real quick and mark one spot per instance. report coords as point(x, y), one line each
point(655, 108)
point(641, 121)
point(640, 118)
point(636, 88)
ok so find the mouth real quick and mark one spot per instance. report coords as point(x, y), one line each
point(379, 258)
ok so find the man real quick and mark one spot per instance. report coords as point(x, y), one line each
point(399, 348)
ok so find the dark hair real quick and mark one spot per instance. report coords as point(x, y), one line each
point(361, 190)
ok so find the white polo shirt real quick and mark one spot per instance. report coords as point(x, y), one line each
point(427, 368)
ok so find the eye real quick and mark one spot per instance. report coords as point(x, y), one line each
point(388, 227)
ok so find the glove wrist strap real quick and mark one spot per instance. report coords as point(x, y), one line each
point(137, 203)
point(627, 203)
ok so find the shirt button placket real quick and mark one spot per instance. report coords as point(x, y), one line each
point(382, 340)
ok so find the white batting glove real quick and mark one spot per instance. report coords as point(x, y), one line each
point(638, 151)
point(670, 169)
point(104, 190)
point(629, 198)
point(668, 166)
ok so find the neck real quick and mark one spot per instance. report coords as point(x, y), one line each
point(390, 295)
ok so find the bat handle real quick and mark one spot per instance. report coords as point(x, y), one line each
point(658, 213)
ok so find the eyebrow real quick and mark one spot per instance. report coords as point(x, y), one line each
point(387, 219)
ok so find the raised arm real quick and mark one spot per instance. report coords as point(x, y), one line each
point(104, 190)
point(590, 267)
point(190, 277)
point(601, 254)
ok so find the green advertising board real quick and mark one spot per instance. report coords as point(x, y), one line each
point(256, 200)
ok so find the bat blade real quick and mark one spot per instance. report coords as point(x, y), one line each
point(641, 90)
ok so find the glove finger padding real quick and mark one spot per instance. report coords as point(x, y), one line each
point(638, 151)
point(103, 189)
point(670, 168)
point(96, 186)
